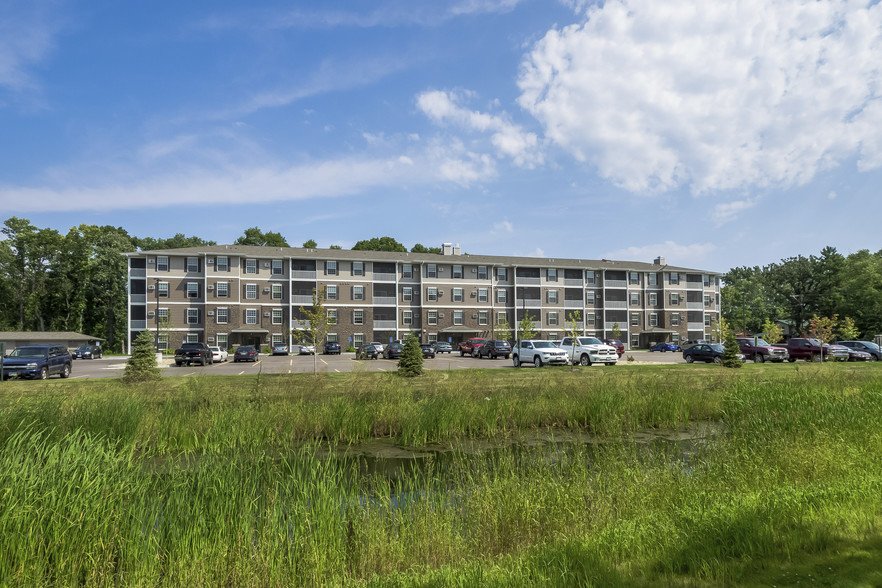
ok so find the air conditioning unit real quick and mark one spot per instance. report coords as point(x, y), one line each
point(266, 264)
point(211, 287)
point(210, 313)
point(474, 270)
point(211, 339)
point(210, 260)
point(474, 293)
point(474, 316)
point(266, 314)
point(151, 260)
point(151, 287)
point(151, 313)
point(440, 292)
point(266, 290)
point(441, 315)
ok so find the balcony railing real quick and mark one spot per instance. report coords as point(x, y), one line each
point(695, 326)
point(139, 325)
point(529, 281)
point(573, 304)
point(615, 303)
point(384, 300)
point(139, 298)
point(615, 283)
point(572, 282)
point(302, 275)
point(384, 277)
point(695, 305)
point(301, 299)
point(529, 303)
point(299, 325)
point(694, 286)
point(137, 272)
point(384, 324)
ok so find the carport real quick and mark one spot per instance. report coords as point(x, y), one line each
point(459, 333)
point(249, 337)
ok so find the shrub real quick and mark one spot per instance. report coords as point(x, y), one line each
point(411, 361)
point(141, 366)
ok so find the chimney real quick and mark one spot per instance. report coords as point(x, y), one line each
point(456, 250)
point(659, 260)
point(447, 248)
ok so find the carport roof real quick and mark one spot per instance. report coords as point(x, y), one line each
point(249, 330)
point(44, 335)
point(461, 330)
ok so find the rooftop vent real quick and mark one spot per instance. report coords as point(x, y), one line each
point(659, 260)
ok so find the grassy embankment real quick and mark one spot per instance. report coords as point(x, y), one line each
point(221, 480)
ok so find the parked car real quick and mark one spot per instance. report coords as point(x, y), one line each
point(706, 352)
point(87, 352)
point(588, 350)
point(620, 347)
point(246, 353)
point(332, 348)
point(218, 355)
point(665, 346)
point(866, 346)
point(443, 347)
point(759, 350)
point(307, 350)
point(856, 355)
point(811, 349)
point(280, 349)
point(539, 353)
point(493, 348)
point(368, 352)
point(471, 346)
point(428, 351)
point(193, 352)
point(393, 351)
point(380, 347)
point(37, 362)
point(842, 353)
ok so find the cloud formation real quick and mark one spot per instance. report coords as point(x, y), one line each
point(727, 95)
point(27, 32)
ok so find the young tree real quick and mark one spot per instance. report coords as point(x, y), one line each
point(847, 330)
point(410, 363)
point(141, 366)
point(503, 329)
point(573, 328)
point(314, 324)
point(730, 354)
point(616, 331)
point(822, 327)
point(772, 332)
point(526, 328)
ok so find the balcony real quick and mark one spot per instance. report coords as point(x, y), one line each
point(694, 286)
point(572, 282)
point(385, 324)
point(302, 275)
point(139, 325)
point(615, 304)
point(528, 303)
point(384, 300)
point(384, 277)
point(528, 281)
point(573, 304)
point(695, 305)
point(299, 325)
point(139, 298)
point(695, 326)
point(137, 272)
point(301, 299)
point(615, 283)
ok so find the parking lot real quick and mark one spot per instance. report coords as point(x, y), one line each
point(112, 367)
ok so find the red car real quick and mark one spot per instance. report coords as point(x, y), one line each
point(620, 347)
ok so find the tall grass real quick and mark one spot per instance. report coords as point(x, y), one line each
point(210, 484)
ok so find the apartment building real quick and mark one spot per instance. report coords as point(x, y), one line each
point(231, 295)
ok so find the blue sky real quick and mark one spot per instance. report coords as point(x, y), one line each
point(715, 134)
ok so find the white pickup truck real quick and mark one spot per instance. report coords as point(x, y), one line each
point(538, 353)
point(588, 350)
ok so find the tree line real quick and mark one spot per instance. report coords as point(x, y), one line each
point(830, 292)
point(76, 281)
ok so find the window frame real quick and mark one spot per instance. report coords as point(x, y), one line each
point(250, 289)
point(222, 312)
point(250, 266)
point(225, 264)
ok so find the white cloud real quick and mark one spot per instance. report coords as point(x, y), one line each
point(691, 255)
point(27, 31)
point(727, 211)
point(503, 227)
point(508, 139)
point(715, 96)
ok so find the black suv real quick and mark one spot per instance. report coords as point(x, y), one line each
point(494, 348)
point(865, 346)
point(37, 361)
point(332, 348)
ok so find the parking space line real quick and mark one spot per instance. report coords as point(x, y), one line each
point(242, 372)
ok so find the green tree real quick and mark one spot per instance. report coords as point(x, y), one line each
point(420, 248)
point(847, 330)
point(254, 236)
point(29, 271)
point(526, 328)
point(311, 244)
point(335, 247)
point(410, 363)
point(314, 324)
point(141, 366)
point(180, 240)
point(503, 329)
point(573, 328)
point(772, 332)
point(822, 327)
point(616, 331)
point(730, 352)
point(380, 244)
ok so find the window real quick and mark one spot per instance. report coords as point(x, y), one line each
point(501, 295)
point(357, 268)
point(502, 273)
point(250, 266)
point(652, 279)
point(331, 338)
point(192, 338)
point(192, 264)
point(330, 268)
point(634, 278)
point(482, 295)
point(589, 319)
point(706, 280)
point(708, 301)
point(222, 341)
point(330, 292)
point(332, 316)
point(432, 294)
point(675, 278)
point(222, 316)
point(432, 317)
point(277, 339)
point(162, 263)
point(457, 294)
point(222, 264)
point(162, 342)
point(277, 316)
point(552, 336)
point(358, 292)
point(552, 319)
point(675, 338)
point(551, 297)
point(431, 270)
point(457, 272)
point(277, 292)
point(482, 272)
point(483, 317)
point(635, 319)
point(192, 289)
point(222, 289)
point(551, 275)
point(162, 315)
point(192, 316)
point(457, 317)
point(675, 319)
point(675, 298)
point(407, 294)
point(250, 291)
point(407, 317)
point(250, 316)
point(635, 340)
point(589, 278)
point(358, 340)
point(277, 267)
point(433, 337)
point(707, 320)
point(407, 270)
point(589, 296)
point(501, 318)
point(358, 317)
point(653, 319)
point(635, 299)
point(653, 299)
